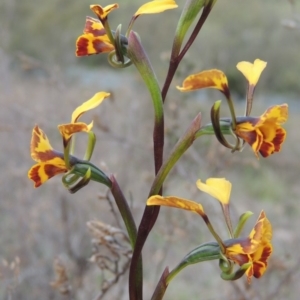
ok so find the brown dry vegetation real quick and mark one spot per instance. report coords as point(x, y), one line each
point(41, 83)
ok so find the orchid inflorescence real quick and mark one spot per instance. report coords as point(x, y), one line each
point(237, 255)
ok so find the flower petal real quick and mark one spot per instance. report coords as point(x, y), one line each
point(43, 171)
point(247, 132)
point(102, 12)
point(176, 202)
point(67, 130)
point(263, 251)
point(260, 260)
point(219, 188)
point(276, 114)
point(206, 79)
point(88, 105)
point(40, 147)
point(155, 6)
point(94, 40)
point(269, 147)
point(251, 71)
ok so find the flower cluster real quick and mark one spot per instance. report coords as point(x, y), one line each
point(250, 253)
point(51, 162)
point(98, 38)
point(264, 134)
point(238, 255)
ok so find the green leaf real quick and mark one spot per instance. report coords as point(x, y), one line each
point(204, 252)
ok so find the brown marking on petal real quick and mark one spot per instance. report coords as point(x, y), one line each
point(249, 136)
point(37, 133)
point(260, 266)
point(34, 175)
point(82, 46)
point(258, 269)
point(279, 139)
point(102, 12)
point(98, 10)
point(43, 172)
point(36, 138)
point(246, 245)
point(101, 47)
point(94, 27)
point(47, 155)
point(239, 258)
point(94, 40)
point(52, 170)
point(266, 149)
point(257, 230)
point(40, 147)
point(87, 44)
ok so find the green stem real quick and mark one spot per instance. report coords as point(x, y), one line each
point(179, 149)
point(108, 31)
point(225, 127)
point(140, 59)
point(90, 146)
point(213, 232)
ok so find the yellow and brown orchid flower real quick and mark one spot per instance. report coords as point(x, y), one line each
point(264, 134)
point(49, 161)
point(250, 253)
point(254, 249)
point(98, 38)
point(94, 40)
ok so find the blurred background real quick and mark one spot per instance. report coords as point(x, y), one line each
point(47, 249)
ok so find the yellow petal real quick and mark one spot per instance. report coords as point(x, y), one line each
point(88, 44)
point(95, 27)
point(176, 202)
point(102, 12)
point(40, 147)
point(219, 188)
point(276, 114)
point(251, 71)
point(155, 6)
point(262, 231)
point(206, 79)
point(43, 171)
point(88, 105)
